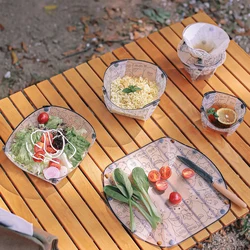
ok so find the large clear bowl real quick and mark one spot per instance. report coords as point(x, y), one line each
point(69, 118)
point(134, 68)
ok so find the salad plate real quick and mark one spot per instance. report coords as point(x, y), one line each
point(201, 204)
point(50, 143)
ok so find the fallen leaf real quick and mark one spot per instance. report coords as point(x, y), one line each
point(11, 92)
point(223, 21)
point(93, 56)
point(100, 49)
point(137, 35)
point(71, 28)
point(98, 33)
point(10, 47)
point(133, 19)
point(14, 57)
point(73, 51)
point(69, 52)
point(49, 8)
point(80, 47)
point(88, 36)
point(24, 46)
point(240, 23)
point(86, 29)
point(110, 12)
point(84, 19)
point(1, 27)
point(105, 17)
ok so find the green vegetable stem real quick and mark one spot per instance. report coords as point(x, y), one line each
point(140, 183)
point(124, 185)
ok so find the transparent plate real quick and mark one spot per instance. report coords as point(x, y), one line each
point(201, 205)
point(69, 118)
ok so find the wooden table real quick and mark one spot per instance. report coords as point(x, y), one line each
point(75, 210)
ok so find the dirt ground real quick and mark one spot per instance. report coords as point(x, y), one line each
point(39, 39)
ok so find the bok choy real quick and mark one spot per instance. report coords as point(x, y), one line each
point(135, 194)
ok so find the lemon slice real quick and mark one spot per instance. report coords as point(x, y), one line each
point(226, 116)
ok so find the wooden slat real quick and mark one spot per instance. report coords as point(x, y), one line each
point(3, 205)
point(87, 191)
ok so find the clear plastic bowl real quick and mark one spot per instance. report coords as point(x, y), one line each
point(223, 100)
point(133, 68)
point(69, 118)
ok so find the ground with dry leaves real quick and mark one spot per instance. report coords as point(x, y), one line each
point(46, 38)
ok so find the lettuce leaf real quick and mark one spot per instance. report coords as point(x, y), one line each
point(80, 143)
point(53, 122)
point(18, 147)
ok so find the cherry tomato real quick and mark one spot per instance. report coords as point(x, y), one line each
point(39, 155)
point(175, 198)
point(165, 172)
point(161, 185)
point(54, 164)
point(154, 175)
point(37, 149)
point(50, 150)
point(43, 118)
point(188, 173)
point(211, 118)
point(45, 134)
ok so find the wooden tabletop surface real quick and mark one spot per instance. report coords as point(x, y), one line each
point(75, 210)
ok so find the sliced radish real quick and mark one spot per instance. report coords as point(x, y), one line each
point(63, 171)
point(51, 172)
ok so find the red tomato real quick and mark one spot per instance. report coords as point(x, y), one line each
point(211, 118)
point(37, 149)
point(43, 118)
point(161, 185)
point(188, 173)
point(54, 164)
point(154, 175)
point(165, 172)
point(39, 155)
point(45, 134)
point(50, 150)
point(175, 198)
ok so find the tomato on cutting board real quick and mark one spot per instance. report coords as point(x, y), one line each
point(154, 175)
point(43, 118)
point(175, 198)
point(161, 185)
point(165, 172)
point(188, 173)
